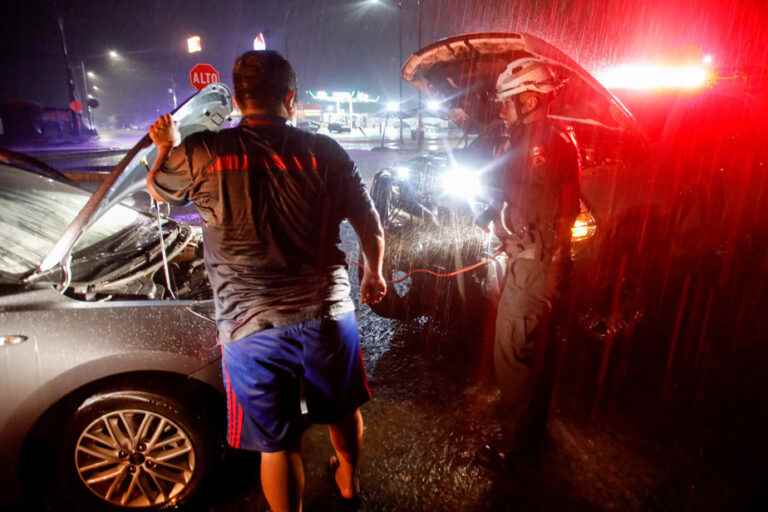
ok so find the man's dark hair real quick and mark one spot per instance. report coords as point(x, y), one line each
point(263, 78)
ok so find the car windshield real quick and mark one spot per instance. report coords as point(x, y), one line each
point(35, 212)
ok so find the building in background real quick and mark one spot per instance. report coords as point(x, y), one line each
point(27, 122)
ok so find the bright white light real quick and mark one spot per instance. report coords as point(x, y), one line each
point(708, 60)
point(194, 44)
point(330, 108)
point(341, 95)
point(403, 172)
point(95, 87)
point(393, 106)
point(434, 105)
point(579, 229)
point(113, 55)
point(91, 74)
point(321, 94)
point(644, 76)
point(90, 96)
point(259, 42)
point(461, 182)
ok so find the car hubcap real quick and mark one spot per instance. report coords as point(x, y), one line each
point(135, 458)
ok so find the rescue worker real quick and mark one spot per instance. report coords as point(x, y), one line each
point(272, 198)
point(538, 176)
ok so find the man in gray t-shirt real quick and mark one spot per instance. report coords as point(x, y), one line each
point(272, 198)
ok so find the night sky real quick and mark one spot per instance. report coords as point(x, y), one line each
point(338, 44)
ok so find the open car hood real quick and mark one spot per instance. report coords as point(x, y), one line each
point(209, 109)
point(462, 71)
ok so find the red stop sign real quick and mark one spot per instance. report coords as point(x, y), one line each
point(202, 74)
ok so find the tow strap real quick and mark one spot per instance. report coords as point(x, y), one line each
point(445, 275)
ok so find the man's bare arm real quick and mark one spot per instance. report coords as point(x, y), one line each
point(162, 156)
point(371, 235)
point(162, 134)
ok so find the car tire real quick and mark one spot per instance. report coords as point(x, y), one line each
point(132, 450)
point(383, 196)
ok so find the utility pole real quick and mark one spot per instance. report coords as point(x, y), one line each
point(400, 62)
point(288, 13)
point(70, 79)
point(420, 127)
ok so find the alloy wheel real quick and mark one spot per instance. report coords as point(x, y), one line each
point(135, 458)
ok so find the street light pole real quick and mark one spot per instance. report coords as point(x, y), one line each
point(89, 110)
point(70, 78)
point(174, 99)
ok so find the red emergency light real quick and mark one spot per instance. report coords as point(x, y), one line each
point(650, 77)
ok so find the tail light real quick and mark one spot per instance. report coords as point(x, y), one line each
point(584, 227)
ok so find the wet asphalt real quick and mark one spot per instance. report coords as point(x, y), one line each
point(613, 442)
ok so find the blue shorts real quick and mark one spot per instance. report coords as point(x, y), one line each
point(267, 373)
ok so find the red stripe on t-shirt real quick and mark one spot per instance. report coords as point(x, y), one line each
point(277, 159)
point(314, 162)
point(231, 163)
point(298, 163)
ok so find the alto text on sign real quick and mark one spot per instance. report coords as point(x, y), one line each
point(202, 74)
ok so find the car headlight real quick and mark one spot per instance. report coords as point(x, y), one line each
point(461, 182)
point(403, 173)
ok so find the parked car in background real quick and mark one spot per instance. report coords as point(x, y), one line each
point(338, 128)
point(112, 389)
point(308, 126)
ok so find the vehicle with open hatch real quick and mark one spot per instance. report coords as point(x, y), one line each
point(648, 196)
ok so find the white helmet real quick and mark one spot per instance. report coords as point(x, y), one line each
point(525, 74)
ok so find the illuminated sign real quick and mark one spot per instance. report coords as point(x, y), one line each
point(343, 96)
